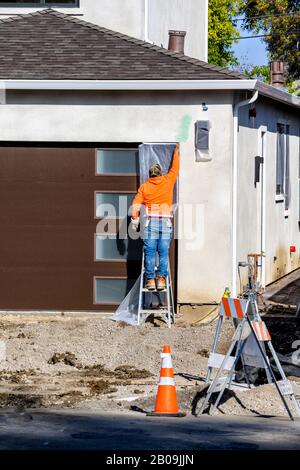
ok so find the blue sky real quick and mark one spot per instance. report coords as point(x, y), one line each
point(251, 51)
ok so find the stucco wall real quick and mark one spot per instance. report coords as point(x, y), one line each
point(185, 15)
point(126, 16)
point(148, 20)
point(280, 231)
point(204, 266)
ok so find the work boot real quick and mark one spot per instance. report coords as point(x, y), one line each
point(150, 284)
point(161, 283)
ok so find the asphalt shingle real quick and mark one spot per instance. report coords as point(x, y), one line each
point(48, 45)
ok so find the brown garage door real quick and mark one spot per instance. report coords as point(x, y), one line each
point(52, 254)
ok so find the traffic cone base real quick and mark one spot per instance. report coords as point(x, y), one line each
point(166, 399)
point(166, 415)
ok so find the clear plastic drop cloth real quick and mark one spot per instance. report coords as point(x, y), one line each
point(128, 309)
point(148, 154)
point(157, 153)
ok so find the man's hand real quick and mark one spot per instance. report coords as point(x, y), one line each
point(134, 224)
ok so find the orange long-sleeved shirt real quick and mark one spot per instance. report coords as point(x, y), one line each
point(157, 193)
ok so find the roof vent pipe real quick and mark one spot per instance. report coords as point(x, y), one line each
point(176, 41)
point(277, 68)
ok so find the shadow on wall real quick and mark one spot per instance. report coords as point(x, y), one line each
point(282, 263)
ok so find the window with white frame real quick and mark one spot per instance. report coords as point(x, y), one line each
point(283, 163)
point(117, 162)
point(36, 3)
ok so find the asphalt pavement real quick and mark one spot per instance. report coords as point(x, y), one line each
point(84, 430)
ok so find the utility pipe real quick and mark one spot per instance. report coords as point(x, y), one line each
point(234, 186)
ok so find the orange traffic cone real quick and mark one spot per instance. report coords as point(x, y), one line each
point(166, 399)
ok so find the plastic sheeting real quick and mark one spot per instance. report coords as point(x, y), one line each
point(156, 153)
point(128, 309)
point(148, 154)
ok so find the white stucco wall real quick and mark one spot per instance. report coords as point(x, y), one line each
point(186, 15)
point(280, 232)
point(149, 20)
point(125, 16)
point(204, 268)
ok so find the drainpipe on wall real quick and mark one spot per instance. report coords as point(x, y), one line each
point(234, 186)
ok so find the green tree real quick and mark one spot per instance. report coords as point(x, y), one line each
point(280, 21)
point(221, 31)
point(260, 72)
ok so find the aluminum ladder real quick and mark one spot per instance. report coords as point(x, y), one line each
point(166, 312)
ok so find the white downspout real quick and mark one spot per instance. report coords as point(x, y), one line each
point(146, 21)
point(234, 187)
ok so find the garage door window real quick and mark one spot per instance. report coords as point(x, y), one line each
point(111, 247)
point(111, 291)
point(113, 204)
point(117, 162)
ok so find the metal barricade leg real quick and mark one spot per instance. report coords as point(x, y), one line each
point(214, 346)
point(228, 380)
point(270, 370)
point(215, 380)
point(283, 376)
point(257, 317)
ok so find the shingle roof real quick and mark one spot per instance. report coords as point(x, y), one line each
point(48, 45)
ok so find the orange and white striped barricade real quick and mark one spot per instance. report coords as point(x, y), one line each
point(229, 308)
point(261, 335)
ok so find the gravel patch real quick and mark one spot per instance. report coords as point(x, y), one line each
point(100, 364)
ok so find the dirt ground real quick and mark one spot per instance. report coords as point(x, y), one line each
point(100, 364)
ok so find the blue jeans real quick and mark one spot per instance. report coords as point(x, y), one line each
point(157, 238)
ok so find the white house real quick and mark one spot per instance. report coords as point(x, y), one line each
point(148, 20)
point(77, 101)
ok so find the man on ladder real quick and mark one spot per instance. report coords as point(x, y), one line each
point(156, 195)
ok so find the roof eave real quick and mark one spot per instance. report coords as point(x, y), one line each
point(239, 84)
point(128, 84)
point(277, 94)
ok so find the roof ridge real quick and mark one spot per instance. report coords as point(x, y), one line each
point(140, 42)
point(19, 16)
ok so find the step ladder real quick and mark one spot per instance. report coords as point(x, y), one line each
point(165, 311)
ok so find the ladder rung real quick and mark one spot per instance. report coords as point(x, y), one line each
point(154, 310)
point(151, 291)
